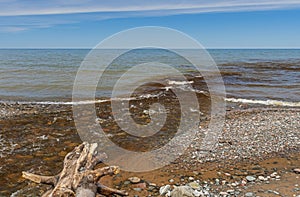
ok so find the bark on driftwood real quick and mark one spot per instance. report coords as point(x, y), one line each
point(78, 177)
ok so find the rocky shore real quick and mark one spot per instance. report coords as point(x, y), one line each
point(257, 154)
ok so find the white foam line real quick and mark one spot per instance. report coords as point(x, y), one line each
point(262, 102)
point(69, 102)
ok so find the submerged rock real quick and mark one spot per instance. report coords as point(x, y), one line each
point(134, 179)
point(249, 194)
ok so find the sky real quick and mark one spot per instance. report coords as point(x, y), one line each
point(214, 23)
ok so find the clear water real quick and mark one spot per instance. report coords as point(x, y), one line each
point(48, 75)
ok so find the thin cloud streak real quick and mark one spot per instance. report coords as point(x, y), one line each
point(12, 29)
point(24, 8)
point(20, 15)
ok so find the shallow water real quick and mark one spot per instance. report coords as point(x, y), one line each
point(37, 139)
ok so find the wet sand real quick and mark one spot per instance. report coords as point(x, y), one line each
point(36, 138)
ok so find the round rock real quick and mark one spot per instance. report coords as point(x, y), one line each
point(250, 178)
point(134, 179)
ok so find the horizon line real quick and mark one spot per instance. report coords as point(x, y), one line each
point(88, 48)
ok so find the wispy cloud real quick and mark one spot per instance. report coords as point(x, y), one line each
point(33, 7)
point(15, 14)
point(12, 29)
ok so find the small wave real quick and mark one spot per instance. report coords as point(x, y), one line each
point(264, 102)
point(179, 82)
point(53, 102)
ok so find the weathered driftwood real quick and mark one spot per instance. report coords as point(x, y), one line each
point(78, 177)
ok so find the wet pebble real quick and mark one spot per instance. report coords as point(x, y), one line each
point(134, 179)
point(249, 194)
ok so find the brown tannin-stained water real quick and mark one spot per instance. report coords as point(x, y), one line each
point(39, 136)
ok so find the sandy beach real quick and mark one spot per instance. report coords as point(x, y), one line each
point(256, 142)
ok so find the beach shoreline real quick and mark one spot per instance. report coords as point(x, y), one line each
point(246, 143)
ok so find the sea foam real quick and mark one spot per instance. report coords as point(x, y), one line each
point(264, 102)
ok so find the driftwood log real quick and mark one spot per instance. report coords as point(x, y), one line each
point(78, 177)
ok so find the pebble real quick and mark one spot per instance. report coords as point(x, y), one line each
point(273, 175)
point(261, 178)
point(297, 170)
point(249, 194)
point(194, 185)
point(223, 193)
point(141, 185)
point(164, 189)
point(182, 191)
point(230, 191)
point(275, 192)
point(137, 189)
point(134, 179)
point(152, 184)
point(198, 193)
point(227, 174)
point(250, 178)
point(233, 184)
point(191, 178)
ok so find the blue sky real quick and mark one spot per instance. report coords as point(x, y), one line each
point(214, 23)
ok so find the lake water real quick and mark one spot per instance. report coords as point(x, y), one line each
point(47, 75)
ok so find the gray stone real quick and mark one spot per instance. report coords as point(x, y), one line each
point(182, 191)
point(250, 178)
point(249, 194)
point(164, 189)
point(137, 189)
point(197, 193)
